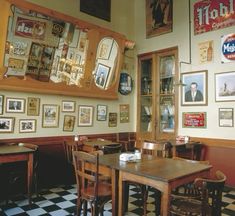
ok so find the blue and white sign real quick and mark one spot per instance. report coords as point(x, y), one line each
point(228, 48)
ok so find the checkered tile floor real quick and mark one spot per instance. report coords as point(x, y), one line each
point(61, 201)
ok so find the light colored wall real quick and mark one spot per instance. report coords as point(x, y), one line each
point(179, 37)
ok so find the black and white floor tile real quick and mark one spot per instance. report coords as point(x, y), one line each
point(61, 201)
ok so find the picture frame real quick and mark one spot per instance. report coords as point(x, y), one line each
point(69, 122)
point(194, 90)
point(85, 115)
point(104, 48)
point(50, 116)
point(102, 73)
point(225, 86)
point(112, 119)
point(226, 118)
point(124, 113)
point(27, 125)
point(101, 112)
point(33, 106)
point(194, 120)
point(68, 106)
point(7, 124)
point(15, 105)
point(1, 104)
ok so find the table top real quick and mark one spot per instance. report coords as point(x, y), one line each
point(14, 149)
point(164, 169)
point(98, 142)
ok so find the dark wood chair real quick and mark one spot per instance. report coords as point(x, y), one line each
point(69, 147)
point(206, 201)
point(89, 186)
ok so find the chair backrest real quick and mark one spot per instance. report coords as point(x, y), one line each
point(111, 149)
point(69, 147)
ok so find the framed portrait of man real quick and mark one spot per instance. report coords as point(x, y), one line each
point(194, 90)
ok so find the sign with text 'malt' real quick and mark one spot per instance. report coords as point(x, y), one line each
point(211, 15)
point(228, 48)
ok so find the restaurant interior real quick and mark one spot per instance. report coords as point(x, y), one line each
point(117, 107)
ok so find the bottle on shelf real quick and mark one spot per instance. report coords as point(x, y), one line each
point(209, 52)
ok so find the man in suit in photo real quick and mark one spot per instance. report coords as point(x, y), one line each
point(193, 94)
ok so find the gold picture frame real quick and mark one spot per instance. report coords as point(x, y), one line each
point(50, 116)
point(27, 125)
point(69, 122)
point(85, 115)
point(33, 106)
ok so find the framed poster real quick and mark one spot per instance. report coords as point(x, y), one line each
point(194, 120)
point(69, 122)
point(33, 106)
point(101, 112)
point(226, 117)
point(104, 48)
point(68, 106)
point(1, 104)
point(7, 124)
point(112, 119)
point(50, 116)
point(102, 73)
point(85, 115)
point(27, 125)
point(225, 86)
point(124, 113)
point(195, 90)
point(15, 105)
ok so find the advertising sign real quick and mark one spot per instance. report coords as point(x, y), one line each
point(194, 120)
point(228, 48)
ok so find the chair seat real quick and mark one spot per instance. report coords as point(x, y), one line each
point(104, 190)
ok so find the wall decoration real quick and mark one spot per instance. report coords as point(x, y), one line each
point(125, 84)
point(206, 52)
point(112, 119)
point(33, 106)
point(226, 117)
point(1, 104)
point(85, 115)
point(50, 118)
point(97, 8)
point(195, 91)
point(104, 48)
point(212, 15)
point(227, 48)
point(15, 105)
point(101, 112)
point(124, 113)
point(159, 17)
point(69, 122)
point(27, 125)
point(225, 86)
point(7, 124)
point(194, 120)
point(68, 106)
point(102, 73)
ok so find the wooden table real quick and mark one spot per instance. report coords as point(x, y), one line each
point(96, 144)
point(14, 153)
point(161, 173)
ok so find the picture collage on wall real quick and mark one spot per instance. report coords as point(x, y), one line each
point(50, 114)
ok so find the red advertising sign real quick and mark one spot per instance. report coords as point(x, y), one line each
point(211, 15)
point(194, 119)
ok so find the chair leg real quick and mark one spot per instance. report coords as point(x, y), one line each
point(126, 196)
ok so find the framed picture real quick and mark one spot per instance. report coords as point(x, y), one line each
point(194, 120)
point(68, 106)
point(194, 92)
point(1, 104)
point(27, 125)
point(7, 124)
point(85, 115)
point(50, 116)
point(69, 122)
point(33, 106)
point(159, 17)
point(101, 112)
point(124, 113)
point(226, 117)
point(104, 48)
point(125, 84)
point(112, 119)
point(102, 74)
point(15, 105)
point(225, 86)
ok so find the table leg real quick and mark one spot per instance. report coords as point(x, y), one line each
point(30, 176)
point(165, 201)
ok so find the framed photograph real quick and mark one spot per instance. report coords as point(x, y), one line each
point(124, 113)
point(50, 116)
point(104, 48)
point(69, 122)
point(112, 119)
point(225, 86)
point(194, 120)
point(33, 106)
point(15, 105)
point(27, 125)
point(85, 115)
point(7, 124)
point(68, 106)
point(226, 117)
point(101, 112)
point(1, 104)
point(159, 17)
point(102, 73)
point(194, 90)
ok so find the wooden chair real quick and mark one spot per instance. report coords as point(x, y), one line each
point(69, 147)
point(207, 202)
point(89, 187)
